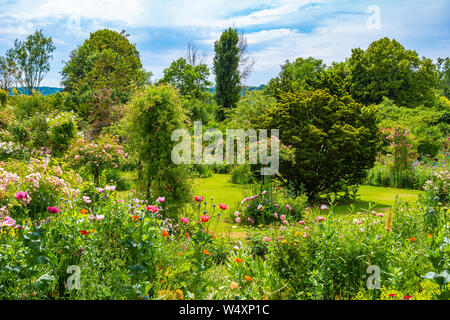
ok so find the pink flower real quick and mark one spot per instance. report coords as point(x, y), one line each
point(323, 207)
point(161, 199)
point(99, 217)
point(236, 214)
point(301, 222)
point(320, 219)
point(307, 228)
point(184, 220)
point(285, 222)
point(260, 207)
point(86, 199)
point(152, 208)
point(110, 188)
point(100, 190)
point(283, 217)
point(288, 207)
point(21, 195)
point(8, 222)
point(52, 209)
point(275, 215)
point(308, 208)
point(238, 220)
point(266, 239)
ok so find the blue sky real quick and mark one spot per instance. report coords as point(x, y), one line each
point(275, 30)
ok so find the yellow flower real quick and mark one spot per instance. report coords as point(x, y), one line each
point(284, 241)
point(179, 294)
point(234, 285)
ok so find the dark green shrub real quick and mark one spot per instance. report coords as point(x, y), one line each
point(335, 140)
point(241, 174)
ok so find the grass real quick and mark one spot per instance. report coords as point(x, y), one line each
point(223, 191)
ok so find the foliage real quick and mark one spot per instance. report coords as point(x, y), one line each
point(32, 57)
point(152, 116)
point(241, 174)
point(429, 127)
point(226, 69)
point(3, 97)
point(334, 139)
point(95, 156)
point(191, 80)
point(387, 69)
point(9, 73)
point(252, 105)
point(107, 60)
point(296, 75)
point(44, 181)
point(443, 67)
point(62, 130)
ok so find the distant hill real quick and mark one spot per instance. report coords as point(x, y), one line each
point(45, 91)
point(249, 88)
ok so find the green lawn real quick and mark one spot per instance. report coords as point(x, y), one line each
point(223, 191)
point(219, 187)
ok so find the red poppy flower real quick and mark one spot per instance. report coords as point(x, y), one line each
point(204, 218)
point(198, 198)
point(238, 260)
point(84, 232)
point(152, 208)
point(412, 239)
point(165, 233)
point(187, 235)
point(407, 297)
point(223, 206)
point(392, 294)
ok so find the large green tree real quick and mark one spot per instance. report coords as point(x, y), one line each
point(105, 61)
point(9, 73)
point(33, 58)
point(444, 76)
point(335, 140)
point(387, 69)
point(226, 69)
point(191, 80)
point(295, 76)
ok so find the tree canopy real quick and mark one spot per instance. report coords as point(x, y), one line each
point(191, 80)
point(106, 60)
point(226, 69)
point(387, 69)
point(335, 140)
point(33, 58)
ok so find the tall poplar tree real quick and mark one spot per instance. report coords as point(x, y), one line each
point(226, 69)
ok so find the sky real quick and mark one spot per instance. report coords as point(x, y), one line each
point(276, 31)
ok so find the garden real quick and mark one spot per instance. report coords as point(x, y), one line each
point(92, 205)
